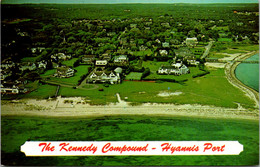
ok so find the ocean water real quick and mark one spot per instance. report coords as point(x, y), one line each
point(17, 130)
point(249, 73)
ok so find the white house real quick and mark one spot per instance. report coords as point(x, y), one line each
point(174, 69)
point(163, 52)
point(191, 41)
point(64, 72)
point(101, 62)
point(103, 77)
point(121, 59)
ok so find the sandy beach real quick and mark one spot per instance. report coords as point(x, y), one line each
point(77, 106)
point(57, 108)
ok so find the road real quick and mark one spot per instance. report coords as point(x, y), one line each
point(208, 47)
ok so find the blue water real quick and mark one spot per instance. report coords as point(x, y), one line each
point(249, 73)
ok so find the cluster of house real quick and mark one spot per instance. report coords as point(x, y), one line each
point(174, 69)
point(101, 74)
point(32, 66)
point(60, 56)
point(11, 86)
point(64, 72)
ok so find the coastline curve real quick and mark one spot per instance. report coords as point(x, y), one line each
point(230, 68)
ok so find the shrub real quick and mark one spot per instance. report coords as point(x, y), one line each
point(200, 74)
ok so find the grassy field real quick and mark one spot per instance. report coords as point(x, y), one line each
point(224, 39)
point(224, 28)
point(198, 51)
point(154, 66)
point(134, 76)
point(30, 59)
point(17, 130)
point(95, 96)
point(143, 53)
point(49, 73)
point(81, 70)
point(43, 91)
point(217, 55)
point(212, 89)
point(232, 47)
point(70, 62)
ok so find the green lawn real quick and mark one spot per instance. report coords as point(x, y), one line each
point(216, 55)
point(70, 62)
point(224, 28)
point(198, 51)
point(134, 76)
point(224, 39)
point(30, 59)
point(81, 70)
point(193, 71)
point(212, 89)
point(143, 53)
point(94, 95)
point(43, 91)
point(17, 130)
point(232, 47)
point(48, 73)
point(154, 66)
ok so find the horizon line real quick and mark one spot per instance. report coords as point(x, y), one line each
point(134, 3)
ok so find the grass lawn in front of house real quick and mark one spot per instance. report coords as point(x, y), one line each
point(43, 91)
point(212, 89)
point(48, 73)
point(143, 53)
point(81, 70)
point(31, 59)
point(154, 67)
point(134, 76)
point(70, 62)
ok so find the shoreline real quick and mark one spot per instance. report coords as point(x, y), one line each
point(57, 109)
point(231, 77)
point(78, 108)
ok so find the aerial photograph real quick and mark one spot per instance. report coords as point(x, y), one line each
point(129, 70)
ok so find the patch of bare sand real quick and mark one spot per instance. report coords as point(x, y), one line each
point(45, 108)
point(215, 65)
point(230, 56)
point(166, 94)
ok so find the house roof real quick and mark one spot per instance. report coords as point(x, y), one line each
point(63, 69)
point(99, 73)
point(118, 70)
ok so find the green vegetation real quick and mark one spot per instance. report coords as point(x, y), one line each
point(31, 59)
point(49, 73)
point(212, 89)
point(233, 47)
point(17, 130)
point(70, 62)
point(154, 66)
point(134, 76)
point(143, 53)
point(94, 96)
point(217, 55)
point(224, 39)
point(81, 70)
point(224, 28)
point(43, 91)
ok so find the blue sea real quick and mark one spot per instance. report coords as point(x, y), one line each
point(249, 73)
